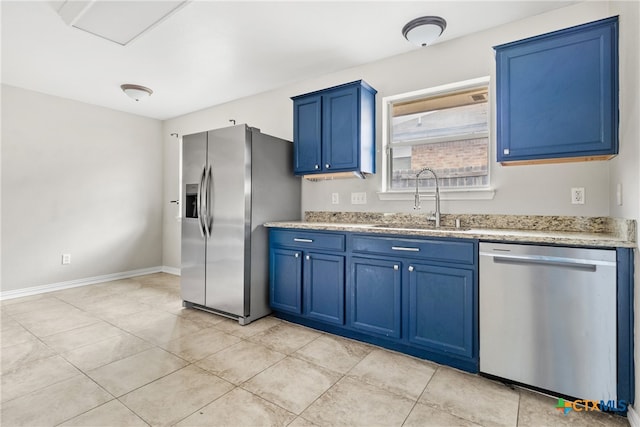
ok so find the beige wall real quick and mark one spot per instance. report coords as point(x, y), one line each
point(77, 179)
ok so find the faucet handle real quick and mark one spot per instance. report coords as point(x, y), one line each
point(416, 202)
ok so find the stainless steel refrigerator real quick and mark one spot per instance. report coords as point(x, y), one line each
point(234, 179)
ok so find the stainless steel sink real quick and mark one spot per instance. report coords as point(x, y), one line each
point(429, 227)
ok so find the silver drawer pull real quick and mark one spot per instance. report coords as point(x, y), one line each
point(297, 255)
point(302, 240)
point(308, 257)
point(411, 268)
point(396, 267)
point(402, 248)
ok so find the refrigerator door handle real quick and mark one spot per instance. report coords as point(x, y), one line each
point(206, 221)
point(199, 201)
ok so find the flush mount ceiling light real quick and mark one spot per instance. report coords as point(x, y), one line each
point(136, 92)
point(424, 30)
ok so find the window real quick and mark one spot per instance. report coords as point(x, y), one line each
point(444, 128)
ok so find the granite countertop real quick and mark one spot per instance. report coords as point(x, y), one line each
point(580, 231)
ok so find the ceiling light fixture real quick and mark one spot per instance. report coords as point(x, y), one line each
point(136, 92)
point(424, 30)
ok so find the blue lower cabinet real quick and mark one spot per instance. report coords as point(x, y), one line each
point(442, 309)
point(375, 298)
point(285, 280)
point(421, 302)
point(323, 287)
point(307, 274)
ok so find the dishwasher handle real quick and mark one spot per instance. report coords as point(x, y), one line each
point(533, 261)
point(580, 264)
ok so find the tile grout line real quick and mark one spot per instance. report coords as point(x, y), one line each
point(518, 411)
point(207, 404)
point(421, 393)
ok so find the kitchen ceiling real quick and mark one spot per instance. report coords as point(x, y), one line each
point(209, 52)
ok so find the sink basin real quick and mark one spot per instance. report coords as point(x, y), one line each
point(429, 227)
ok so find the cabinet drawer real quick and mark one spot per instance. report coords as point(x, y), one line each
point(436, 250)
point(308, 239)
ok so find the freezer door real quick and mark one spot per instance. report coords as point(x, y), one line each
point(192, 272)
point(229, 200)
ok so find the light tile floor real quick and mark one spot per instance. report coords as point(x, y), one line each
point(125, 353)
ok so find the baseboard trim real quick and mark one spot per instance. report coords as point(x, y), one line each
point(34, 290)
point(171, 270)
point(633, 417)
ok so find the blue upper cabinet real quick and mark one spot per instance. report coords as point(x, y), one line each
point(557, 95)
point(334, 130)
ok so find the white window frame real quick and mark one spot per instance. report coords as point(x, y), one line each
point(483, 193)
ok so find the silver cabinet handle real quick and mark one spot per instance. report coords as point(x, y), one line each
point(402, 248)
point(411, 268)
point(396, 267)
point(308, 257)
point(297, 255)
point(317, 166)
point(327, 165)
point(297, 239)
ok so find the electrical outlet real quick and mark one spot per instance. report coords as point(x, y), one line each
point(358, 198)
point(619, 194)
point(66, 259)
point(577, 196)
point(335, 198)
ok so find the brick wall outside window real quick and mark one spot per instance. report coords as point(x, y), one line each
point(457, 163)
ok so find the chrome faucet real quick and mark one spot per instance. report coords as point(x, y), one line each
point(436, 215)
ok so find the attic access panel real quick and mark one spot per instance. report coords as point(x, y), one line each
point(117, 21)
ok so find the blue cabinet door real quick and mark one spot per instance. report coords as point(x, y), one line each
point(375, 296)
point(323, 287)
point(285, 280)
point(307, 134)
point(340, 127)
point(442, 314)
point(557, 94)
point(334, 130)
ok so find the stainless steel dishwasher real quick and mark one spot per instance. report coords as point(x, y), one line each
point(548, 318)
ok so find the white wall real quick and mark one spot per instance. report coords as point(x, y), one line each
point(539, 189)
point(77, 179)
point(624, 168)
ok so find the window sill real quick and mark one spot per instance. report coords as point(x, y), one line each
point(475, 194)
